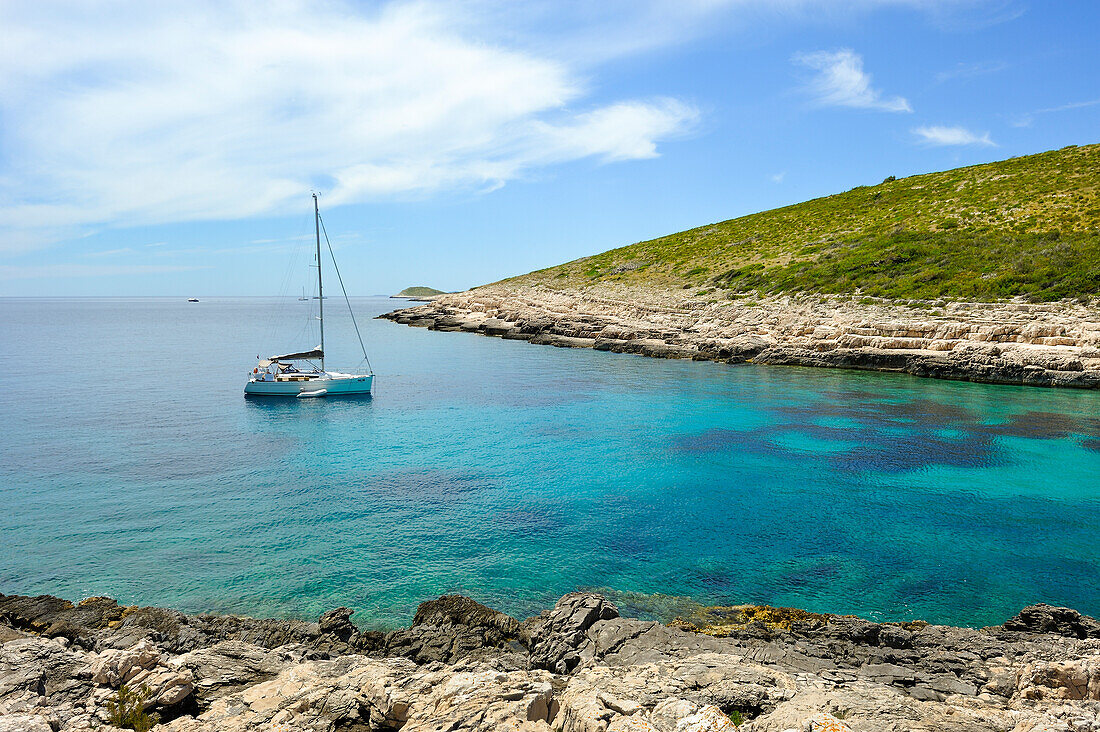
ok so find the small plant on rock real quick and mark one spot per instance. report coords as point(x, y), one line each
point(737, 718)
point(127, 709)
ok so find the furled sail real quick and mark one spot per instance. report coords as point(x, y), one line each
point(315, 353)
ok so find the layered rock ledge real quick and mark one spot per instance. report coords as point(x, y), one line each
point(578, 667)
point(1050, 344)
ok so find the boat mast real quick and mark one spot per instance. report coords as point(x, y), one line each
point(320, 289)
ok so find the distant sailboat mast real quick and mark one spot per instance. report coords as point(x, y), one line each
point(320, 288)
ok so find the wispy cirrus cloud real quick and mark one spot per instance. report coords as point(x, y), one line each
point(971, 70)
point(139, 118)
point(1026, 120)
point(940, 136)
point(841, 82)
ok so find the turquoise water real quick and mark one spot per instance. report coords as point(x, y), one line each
point(132, 466)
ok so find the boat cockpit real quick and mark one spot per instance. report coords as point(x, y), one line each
point(268, 370)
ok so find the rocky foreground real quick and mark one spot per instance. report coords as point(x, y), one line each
point(1050, 344)
point(576, 668)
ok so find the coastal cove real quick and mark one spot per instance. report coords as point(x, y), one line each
point(515, 474)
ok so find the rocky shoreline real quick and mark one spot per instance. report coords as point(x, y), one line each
point(578, 667)
point(1049, 344)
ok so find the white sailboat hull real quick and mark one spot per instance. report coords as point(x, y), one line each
point(331, 383)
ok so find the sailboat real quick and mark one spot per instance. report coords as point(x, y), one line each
point(303, 374)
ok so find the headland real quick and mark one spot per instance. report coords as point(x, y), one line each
point(989, 273)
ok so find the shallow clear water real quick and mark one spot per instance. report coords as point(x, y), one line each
point(134, 467)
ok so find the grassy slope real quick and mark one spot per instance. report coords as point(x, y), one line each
point(419, 292)
point(1027, 226)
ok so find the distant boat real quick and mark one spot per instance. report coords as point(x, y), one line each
point(303, 373)
point(192, 299)
point(303, 297)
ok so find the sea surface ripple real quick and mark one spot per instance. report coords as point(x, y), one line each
point(133, 466)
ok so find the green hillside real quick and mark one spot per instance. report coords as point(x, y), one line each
point(1027, 226)
point(419, 292)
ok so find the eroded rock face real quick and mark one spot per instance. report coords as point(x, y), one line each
point(100, 623)
point(577, 667)
point(42, 672)
point(456, 610)
point(663, 694)
point(555, 636)
point(1052, 344)
point(383, 694)
point(57, 618)
point(230, 666)
point(453, 628)
point(142, 667)
point(1043, 618)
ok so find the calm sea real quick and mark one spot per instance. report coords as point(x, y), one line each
point(133, 466)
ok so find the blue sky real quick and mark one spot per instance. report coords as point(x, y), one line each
point(160, 148)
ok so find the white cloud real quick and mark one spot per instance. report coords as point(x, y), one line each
point(120, 113)
point(778, 177)
point(971, 70)
point(943, 136)
point(129, 114)
point(842, 82)
point(1026, 120)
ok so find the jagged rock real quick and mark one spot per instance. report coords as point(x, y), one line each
point(455, 627)
point(338, 623)
point(176, 632)
point(458, 610)
point(555, 635)
point(1043, 618)
point(142, 668)
point(232, 665)
point(779, 668)
point(624, 641)
point(117, 667)
point(1077, 679)
point(180, 633)
point(383, 694)
point(340, 636)
point(314, 695)
point(672, 694)
point(42, 671)
point(54, 617)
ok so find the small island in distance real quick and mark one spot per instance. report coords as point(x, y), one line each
point(418, 293)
